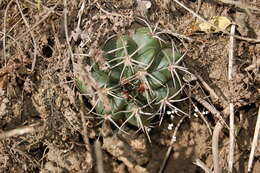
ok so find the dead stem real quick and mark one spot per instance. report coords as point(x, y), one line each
point(210, 108)
point(80, 15)
point(231, 104)
point(203, 118)
point(211, 91)
point(215, 139)
point(21, 131)
point(99, 157)
point(254, 143)
point(202, 165)
point(171, 144)
point(254, 65)
point(212, 25)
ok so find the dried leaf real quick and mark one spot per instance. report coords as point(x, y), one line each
point(220, 22)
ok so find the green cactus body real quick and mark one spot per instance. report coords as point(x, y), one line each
point(138, 77)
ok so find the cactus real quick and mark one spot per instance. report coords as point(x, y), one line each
point(139, 78)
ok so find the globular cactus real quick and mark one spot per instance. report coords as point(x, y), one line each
point(138, 81)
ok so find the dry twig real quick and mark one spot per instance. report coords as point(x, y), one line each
point(253, 66)
point(20, 131)
point(210, 108)
point(215, 139)
point(254, 143)
point(202, 165)
point(211, 91)
point(203, 118)
point(99, 157)
point(231, 104)
point(171, 144)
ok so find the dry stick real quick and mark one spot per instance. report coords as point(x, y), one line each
point(254, 143)
point(66, 31)
point(254, 65)
point(212, 25)
point(210, 108)
point(207, 87)
point(31, 33)
point(203, 118)
point(99, 157)
point(20, 131)
point(171, 145)
point(211, 91)
point(215, 139)
point(4, 31)
point(80, 15)
point(202, 165)
point(231, 104)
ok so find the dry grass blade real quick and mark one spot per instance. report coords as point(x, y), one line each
point(231, 105)
point(254, 143)
point(215, 139)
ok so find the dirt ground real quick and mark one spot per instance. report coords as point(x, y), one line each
point(44, 122)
